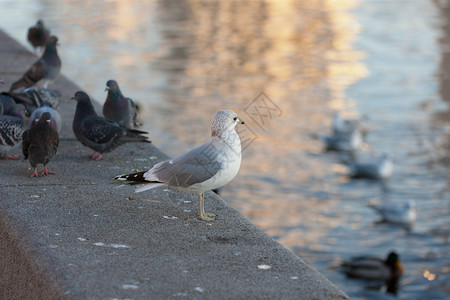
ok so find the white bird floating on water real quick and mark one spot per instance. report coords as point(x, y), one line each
point(342, 126)
point(381, 169)
point(404, 213)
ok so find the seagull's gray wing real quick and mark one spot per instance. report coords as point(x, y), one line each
point(196, 166)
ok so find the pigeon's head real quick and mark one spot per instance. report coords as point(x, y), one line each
point(52, 41)
point(81, 96)
point(111, 85)
point(39, 23)
point(224, 120)
point(45, 118)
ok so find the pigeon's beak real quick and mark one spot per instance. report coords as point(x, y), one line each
point(240, 121)
point(107, 88)
point(73, 98)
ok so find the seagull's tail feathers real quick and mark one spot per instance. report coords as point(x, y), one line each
point(148, 186)
point(137, 178)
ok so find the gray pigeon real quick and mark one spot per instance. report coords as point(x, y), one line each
point(43, 71)
point(119, 108)
point(11, 130)
point(33, 97)
point(38, 35)
point(100, 134)
point(40, 144)
point(55, 120)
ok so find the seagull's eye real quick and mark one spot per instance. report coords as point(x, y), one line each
point(235, 118)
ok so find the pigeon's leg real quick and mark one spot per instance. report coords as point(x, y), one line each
point(46, 172)
point(202, 215)
point(95, 156)
point(12, 157)
point(35, 174)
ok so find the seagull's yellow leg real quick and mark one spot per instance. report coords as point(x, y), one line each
point(202, 215)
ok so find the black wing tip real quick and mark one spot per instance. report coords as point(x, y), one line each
point(137, 177)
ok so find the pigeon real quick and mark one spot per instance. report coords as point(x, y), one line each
point(34, 97)
point(55, 120)
point(11, 130)
point(8, 102)
point(100, 134)
point(38, 35)
point(43, 71)
point(40, 143)
point(404, 213)
point(204, 168)
point(118, 108)
point(16, 110)
point(381, 169)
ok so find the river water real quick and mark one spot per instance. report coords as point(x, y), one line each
point(285, 67)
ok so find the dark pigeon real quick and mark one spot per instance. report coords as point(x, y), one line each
point(16, 110)
point(100, 134)
point(55, 120)
point(38, 35)
point(119, 108)
point(11, 130)
point(40, 143)
point(43, 71)
point(7, 102)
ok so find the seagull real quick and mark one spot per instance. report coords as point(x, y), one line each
point(44, 70)
point(40, 144)
point(55, 117)
point(208, 167)
point(404, 213)
point(381, 169)
point(348, 141)
point(11, 130)
point(342, 126)
point(119, 108)
point(38, 35)
point(100, 134)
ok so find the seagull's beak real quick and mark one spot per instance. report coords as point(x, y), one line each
point(240, 121)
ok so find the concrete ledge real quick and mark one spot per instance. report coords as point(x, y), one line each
point(78, 235)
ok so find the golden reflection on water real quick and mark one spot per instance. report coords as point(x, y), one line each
point(222, 54)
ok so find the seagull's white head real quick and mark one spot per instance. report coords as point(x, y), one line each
point(224, 120)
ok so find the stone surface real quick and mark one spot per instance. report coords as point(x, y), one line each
point(77, 234)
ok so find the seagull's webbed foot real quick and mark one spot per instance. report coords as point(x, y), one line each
point(205, 217)
point(202, 214)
